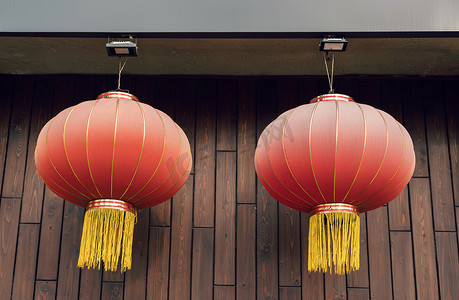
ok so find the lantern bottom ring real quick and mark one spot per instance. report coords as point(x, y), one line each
point(111, 203)
point(333, 208)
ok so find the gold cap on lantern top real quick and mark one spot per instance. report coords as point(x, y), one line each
point(117, 95)
point(332, 97)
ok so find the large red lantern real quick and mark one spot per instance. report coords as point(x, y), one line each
point(334, 158)
point(112, 155)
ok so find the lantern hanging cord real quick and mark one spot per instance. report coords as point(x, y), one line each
point(120, 69)
point(330, 78)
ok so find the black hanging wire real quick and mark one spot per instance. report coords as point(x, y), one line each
point(330, 78)
point(120, 69)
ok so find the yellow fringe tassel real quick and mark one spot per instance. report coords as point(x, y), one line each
point(334, 240)
point(105, 232)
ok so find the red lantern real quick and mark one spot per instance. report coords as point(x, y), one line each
point(334, 158)
point(112, 155)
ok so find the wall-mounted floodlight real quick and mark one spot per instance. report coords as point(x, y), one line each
point(121, 48)
point(333, 44)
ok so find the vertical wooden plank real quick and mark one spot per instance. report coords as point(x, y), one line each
point(185, 111)
point(246, 141)
point(112, 291)
point(393, 108)
point(32, 201)
point(185, 117)
point(160, 214)
point(205, 154)
point(370, 92)
point(246, 191)
point(106, 83)
point(290, 293)
point(360, 278)
point(399, 212)
point(9, 224)
point(226, 115)
point(379, 254)
point(53, 206)
point(358, 294)
point(69, 273)
point(165, 95)
point(437, 144)
point(452, 117)
point(181, 235)
point(287, 94)
point(90, 284)
point(84, 89)
point(448, 264)
point(45, 290)
point(307, 89)
point(202, 271)
point(6, 86)
point(402, 266)
point(413, 108)
point(158, 264)
point(145, 90)
point(224, 293)
point(312, 283)
point(135, 280)
point(128, 83)
point(225, 222)
point(350, 87)
point(423, 239)
point(63, 93)
point(289, 226)
point(50, 235)
point(267, 235)
point(245, 252)
point(335, 286)
point(391, 91)
point(109, 276)
point(457, 222)
point(26, 261)
point(289, 247)
point(14, 170)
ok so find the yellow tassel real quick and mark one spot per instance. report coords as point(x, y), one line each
point(334, 242)
point(107, 235)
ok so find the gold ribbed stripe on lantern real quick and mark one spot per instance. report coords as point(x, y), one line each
point(334, 238)
point(108, 231)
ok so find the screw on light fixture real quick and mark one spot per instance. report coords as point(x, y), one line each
point(333, 44)
point(122, 47)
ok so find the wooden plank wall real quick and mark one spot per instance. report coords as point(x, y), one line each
point(222, 236)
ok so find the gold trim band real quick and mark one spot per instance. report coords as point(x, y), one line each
point(117, 95)
point(334, 207)
point(111, 203)
point(332, 97)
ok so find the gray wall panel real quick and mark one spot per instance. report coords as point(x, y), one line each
point(228, 16)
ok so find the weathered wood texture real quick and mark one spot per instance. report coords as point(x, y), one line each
point(222, 236)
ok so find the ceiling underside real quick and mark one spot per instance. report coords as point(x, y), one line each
point(231, 56)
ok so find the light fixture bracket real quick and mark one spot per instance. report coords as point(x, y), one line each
point(332, 44)
point(122, 47)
